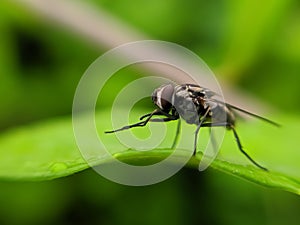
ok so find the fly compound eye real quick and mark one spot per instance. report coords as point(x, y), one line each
point(154, 96)
point(162, 97)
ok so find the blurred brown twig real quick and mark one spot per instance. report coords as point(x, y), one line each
point(104, 30)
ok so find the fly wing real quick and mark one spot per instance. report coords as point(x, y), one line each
point(253, 114)
point(247, 112)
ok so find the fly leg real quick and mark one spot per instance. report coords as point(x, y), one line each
point(238, 141)
point(178, 129)
point(197, 130)
point(139, 124)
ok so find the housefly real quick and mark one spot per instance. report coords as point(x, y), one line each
point(196, 105)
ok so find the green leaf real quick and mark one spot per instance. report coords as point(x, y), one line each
point(48, 150)
point(256, 175)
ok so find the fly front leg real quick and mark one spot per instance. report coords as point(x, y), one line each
point(178, 129)
point(140, 124)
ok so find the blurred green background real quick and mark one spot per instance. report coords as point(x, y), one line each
point(252, 45)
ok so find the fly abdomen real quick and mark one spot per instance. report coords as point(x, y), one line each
point(221, 114)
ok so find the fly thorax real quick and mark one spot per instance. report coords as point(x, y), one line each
point(185, 106)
